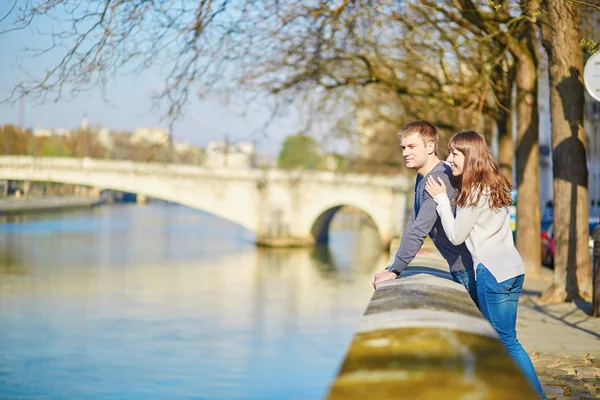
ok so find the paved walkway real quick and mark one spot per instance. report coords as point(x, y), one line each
point(563, 340)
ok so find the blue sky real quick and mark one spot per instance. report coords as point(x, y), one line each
point(127, 103)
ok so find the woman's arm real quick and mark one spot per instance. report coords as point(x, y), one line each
point(457, 229)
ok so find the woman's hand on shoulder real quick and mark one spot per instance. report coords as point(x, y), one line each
point(435, 186)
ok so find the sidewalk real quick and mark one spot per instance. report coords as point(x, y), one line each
point(562, 340)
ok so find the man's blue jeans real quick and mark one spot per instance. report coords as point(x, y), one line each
point(498, 303)
point(467, 279)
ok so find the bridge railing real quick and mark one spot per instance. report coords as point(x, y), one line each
point(422, 337)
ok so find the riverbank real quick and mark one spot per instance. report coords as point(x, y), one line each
point(22, 205)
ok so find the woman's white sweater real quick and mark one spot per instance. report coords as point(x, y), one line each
point(487, 234)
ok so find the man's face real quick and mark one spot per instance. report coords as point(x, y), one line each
point(414, 151)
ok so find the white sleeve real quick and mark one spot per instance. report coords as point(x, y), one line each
point(457, 229)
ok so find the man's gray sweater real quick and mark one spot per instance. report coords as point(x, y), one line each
point(424, 221)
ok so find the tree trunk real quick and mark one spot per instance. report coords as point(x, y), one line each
point(506, 145)
point(528, 195)
point(572, 273)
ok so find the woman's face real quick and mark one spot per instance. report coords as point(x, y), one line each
point(456, 159)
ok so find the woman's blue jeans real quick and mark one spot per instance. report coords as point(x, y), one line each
point(498, 303)
point(467, 279)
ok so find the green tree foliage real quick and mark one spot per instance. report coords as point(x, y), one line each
point(55, 148)
point(299, 151)
point(341, 162)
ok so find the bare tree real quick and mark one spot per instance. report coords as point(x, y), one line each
point(513, 30)
point(454, 53)
point(281, 47)
point(192, 40)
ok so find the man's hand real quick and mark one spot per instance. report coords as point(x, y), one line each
point(383, 276)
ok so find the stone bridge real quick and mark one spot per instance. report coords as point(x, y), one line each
point(282, 207)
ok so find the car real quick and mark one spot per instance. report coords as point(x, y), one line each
point(547, 214)
point(548, 240)
point(548, 246)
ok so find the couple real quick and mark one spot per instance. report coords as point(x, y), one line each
point(482, 196)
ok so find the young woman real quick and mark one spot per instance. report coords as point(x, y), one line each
point(483, 222)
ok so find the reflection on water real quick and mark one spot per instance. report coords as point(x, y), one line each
point(167, 302)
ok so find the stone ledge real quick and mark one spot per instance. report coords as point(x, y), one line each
point(422, 337)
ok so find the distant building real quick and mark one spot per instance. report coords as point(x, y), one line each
point(157, 136)
point(46, 132)
point(265, 160)
point(223, 154)
point(42, 132)
point(182, 147)
point(61, 132)
point(105, 138)
point(188, 154)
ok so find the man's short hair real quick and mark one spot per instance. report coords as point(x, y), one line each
point(423, 128)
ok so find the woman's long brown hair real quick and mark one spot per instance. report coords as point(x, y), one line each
point(480, 172)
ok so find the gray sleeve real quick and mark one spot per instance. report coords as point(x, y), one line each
point(450, 191)
point(415, 233)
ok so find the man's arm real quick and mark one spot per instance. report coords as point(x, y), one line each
point(415, 233)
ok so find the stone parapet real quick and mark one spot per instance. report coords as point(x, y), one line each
point(422, 337)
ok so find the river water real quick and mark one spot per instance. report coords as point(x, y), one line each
point(166, 302)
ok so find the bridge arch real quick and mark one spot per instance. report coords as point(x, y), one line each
point(321, 226)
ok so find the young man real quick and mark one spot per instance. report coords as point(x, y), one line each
point(418, 141)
